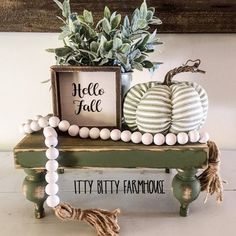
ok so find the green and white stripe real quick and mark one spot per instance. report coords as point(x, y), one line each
point(132, 99)
point(153, 113)
point(154, 108)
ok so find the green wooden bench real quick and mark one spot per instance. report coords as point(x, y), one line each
point(29, 154)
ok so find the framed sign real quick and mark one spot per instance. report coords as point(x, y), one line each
point(87, 96)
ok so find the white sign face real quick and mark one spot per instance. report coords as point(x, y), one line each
point(89, 98)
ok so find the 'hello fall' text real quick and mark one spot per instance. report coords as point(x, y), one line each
point(92, 89)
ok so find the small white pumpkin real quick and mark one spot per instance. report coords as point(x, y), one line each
point(174, 107)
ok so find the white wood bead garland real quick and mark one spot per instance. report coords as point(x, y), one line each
point(64, 125)
point(94, 133)
point(73, 130)
point(49, 122)
point(51, 166)
point(182, 138)
point(158, 139)
point(136, 137)
point(84, 132)
point(105, 134)
point(171, 139)
point(147, 139)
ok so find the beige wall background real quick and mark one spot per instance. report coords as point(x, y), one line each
point(24, 64)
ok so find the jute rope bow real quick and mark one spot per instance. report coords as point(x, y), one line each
point(103, 221)
point(210, 179)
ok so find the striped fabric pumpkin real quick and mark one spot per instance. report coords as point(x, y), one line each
point(169, 107)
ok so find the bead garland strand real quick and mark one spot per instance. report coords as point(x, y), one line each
point(49, 123)
point(136, 137)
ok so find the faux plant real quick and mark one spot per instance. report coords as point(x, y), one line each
point(108, 42)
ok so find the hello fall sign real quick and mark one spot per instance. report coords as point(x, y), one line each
point(87, 96)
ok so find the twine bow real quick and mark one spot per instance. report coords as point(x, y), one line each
point(210, 179)
point(105, 222)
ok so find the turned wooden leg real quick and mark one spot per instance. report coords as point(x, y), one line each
point(167, 170)
point(60, 171)
point(33, 189)
point(186, 188)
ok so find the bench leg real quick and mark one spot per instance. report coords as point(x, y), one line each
point(167, 170)
point(186, 188)
point(33, 189)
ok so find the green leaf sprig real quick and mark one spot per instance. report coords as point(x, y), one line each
point(110, 41)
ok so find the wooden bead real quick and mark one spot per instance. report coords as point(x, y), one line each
point(52, 153)
point(28, 121)
point(35, 126)
point(115, 134)
point(49, 131)
point(51, 189)
point(84, 132)
point(182, 138)
point(51, 165)
point(53, 200)
point(54, 121)
point(51, 141)
point(94, 133)
point(73, 130)
point(105, 134)
point(136, 137)
point(51, 177)
point(159, 139)
point(37, 117)
point(171, 139)
point(125, 136)
point(147, 139)
point(64, 125)
point(194, 136)
point(43, 122)
point(204, 137)
point(27, 129)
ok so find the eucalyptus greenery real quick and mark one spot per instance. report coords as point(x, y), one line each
point(108, 42)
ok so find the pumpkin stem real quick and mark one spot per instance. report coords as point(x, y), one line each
point(185, 68)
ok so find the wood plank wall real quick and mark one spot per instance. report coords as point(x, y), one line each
point(178, 16)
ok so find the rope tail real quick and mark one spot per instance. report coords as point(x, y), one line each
point(210, 179)
point(104, 222)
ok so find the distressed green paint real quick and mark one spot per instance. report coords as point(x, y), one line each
point(75, 152)
point(33, 189)
point(186, 188)
point(117, 159)
point(81, 153)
